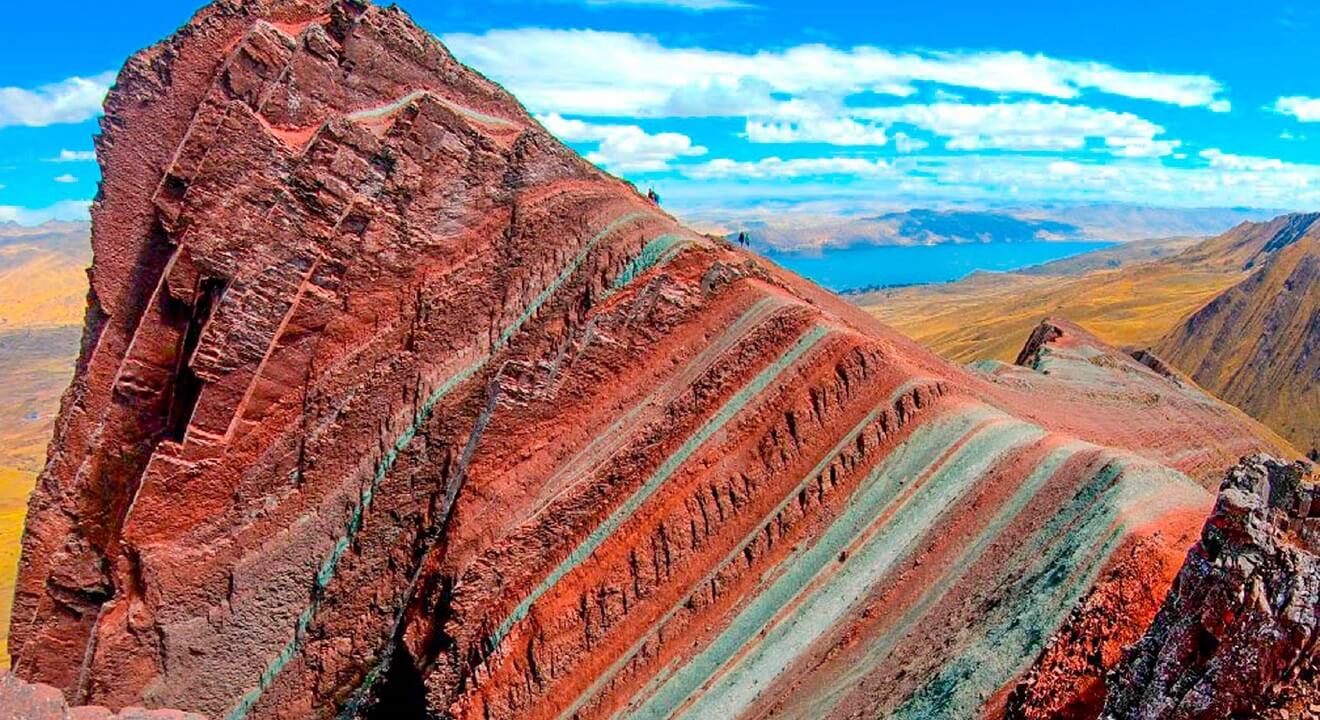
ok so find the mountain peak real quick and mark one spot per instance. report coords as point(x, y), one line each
point(389, 401)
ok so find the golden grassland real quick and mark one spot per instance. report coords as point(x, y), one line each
point(989, 316)
point(42, 300)
point(45, 289)
point(14, 488)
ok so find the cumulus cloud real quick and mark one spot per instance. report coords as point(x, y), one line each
point(906, 144)
point(1141, 147)
point(1229, 161)
point(830, 130)
point(1029, 125)
point(591, 66)
point(623, 148)
point(1305, 109)
point(66, 178)
point(777, 168)
point(64, 210)
point(1219, 179)
point(71, 100)
point(74, 156)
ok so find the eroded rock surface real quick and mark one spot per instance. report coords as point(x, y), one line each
point(27, 701)
point(391, 405)
point(1240, 624)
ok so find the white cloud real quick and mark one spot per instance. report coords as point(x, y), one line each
point(1029, 125)
point(1255, 182)
point(1305, 109)
point(1142, 147)
point(66, 178)
point(63, 210)
point(906, 144)
point(833, 131)
point(1180, 90)
point(71, 100)
point(1229, 161)
point(694, 5)
point(623, 148)
point(622, 74)
point(74, 156)
point(774, 167)
point(1064, 168)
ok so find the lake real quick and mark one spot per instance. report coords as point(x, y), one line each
point(878, 265)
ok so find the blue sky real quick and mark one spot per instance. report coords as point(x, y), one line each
point(733, 101)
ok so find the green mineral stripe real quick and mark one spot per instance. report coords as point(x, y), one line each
point(625, 511)
point(328, 567)
point(1018, 631)
point(878, 490)
point(656, 252)
point(605, 443)
point(1062, 561)
point(568, 271)
point(834, 453)
point(617, 432)
point(879, 648)
point(781, 624)
point(790, 560)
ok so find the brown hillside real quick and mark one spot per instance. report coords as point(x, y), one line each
point(1257, 345)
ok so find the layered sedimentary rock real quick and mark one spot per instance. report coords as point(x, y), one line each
point(389, 404)
point(1240, 624)
point(1068, 679)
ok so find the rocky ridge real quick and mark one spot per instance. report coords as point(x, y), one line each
point(390, 405)
point(1241, 622)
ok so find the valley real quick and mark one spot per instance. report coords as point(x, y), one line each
point(1235, 312)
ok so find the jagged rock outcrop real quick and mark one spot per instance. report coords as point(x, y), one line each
point(1067, 681)
point(391, 405)
point(1241, 622)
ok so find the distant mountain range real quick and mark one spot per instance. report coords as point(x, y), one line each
point(1238, 313)
point(789, 231)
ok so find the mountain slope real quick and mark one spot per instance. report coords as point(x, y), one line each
point(1257, 344)
point(1121, 255)
point(391, 405)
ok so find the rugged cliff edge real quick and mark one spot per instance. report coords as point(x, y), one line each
point(390, 405)
point(1240, 626)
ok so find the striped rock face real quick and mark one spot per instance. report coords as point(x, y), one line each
point(390, 405)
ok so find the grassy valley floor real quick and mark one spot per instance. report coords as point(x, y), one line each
point(43, 289)
point(989, 316)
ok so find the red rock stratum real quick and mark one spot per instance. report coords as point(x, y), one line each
point(1241, 623)
point(390, 404)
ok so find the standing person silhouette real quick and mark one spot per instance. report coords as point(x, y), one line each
point(650, 195)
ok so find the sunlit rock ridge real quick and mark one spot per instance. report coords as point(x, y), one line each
point(390, 405)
